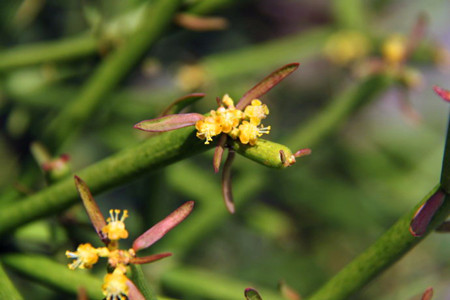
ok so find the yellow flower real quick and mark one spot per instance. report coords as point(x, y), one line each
point(85, 257)
point(115, 285)
point(394, 49)
point(208, 127)
point(115, 229)
point(249, 132)
point(228, 118)
point(256, 112)
point(346, 46)
point(120, 257)
point(227, 101)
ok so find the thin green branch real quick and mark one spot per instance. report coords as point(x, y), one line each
point(116, 66)
point(7, 289)
point(387, 250)
point(339, 109)
point(53, 274)
point(138, 278)
point(195, 283)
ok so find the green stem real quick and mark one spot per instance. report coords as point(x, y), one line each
point(195, 283)
point(7, 289)
point(154, 153)
point(114, 69)
point(388, 249)
point(138, 278)
point(53, 274)
point(339, 109)
point(45, 52)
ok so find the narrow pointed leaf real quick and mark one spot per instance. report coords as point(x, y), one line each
point(218, 153)
point(428, 294)
point(176, 106)
point(152, 235)
point(197, 23)
point(252, 294)
point(169, 122)
point(226, 182)
point(443, 93)
point(425, 213)
point(133, 291)
point(266, 84)
point(302, 152)
point(149, 259)
point(417, 34)
point(94, 213)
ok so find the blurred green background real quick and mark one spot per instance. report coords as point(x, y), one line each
point(301, 224)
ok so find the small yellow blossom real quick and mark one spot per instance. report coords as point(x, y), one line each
point(208, 127)
point(256, 112)
point(346, 46)
point(120, 257)
point(115, 285)
point(228, 118)
point(115, 229)
point(394, 49)
point(249, 132)
point(85, 257)
point(227, 101)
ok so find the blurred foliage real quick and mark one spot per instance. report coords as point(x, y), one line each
point(371, 164)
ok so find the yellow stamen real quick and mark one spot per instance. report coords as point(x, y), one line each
point(208, 127)
point(115, 229)
point(115, 285)
point(256, 112)
point(85, 257)
point(249, 132)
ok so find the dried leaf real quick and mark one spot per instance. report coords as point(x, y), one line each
point(425, 213)
point(443, 93)
point(176, 106)
point(252, 294)
point(198, 23)
point(266, 84)
point(170, 122)
point(149, 259)
point(428, 294)
point(226, 182)
point(94, 213)
point(218, 153)
point(155, 233)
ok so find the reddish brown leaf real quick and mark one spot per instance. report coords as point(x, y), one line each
point(133, 291)
point(176, 106)
point(425, 213)
point(302, 152)
point(443, 93)
point(94, 213)
point(226, 182)
point(149, 259)
point(155, 233)
point(168, 123)
point(428, 294)
point(266, 84)
point(218, 153)
point(417, 34)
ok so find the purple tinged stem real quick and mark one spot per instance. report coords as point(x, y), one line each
point(266, 84)
point(425, 213)
point(155, 233)
point(218, 152)
point(169, 122)
point(226, 182)
point(92, 209)
point(444, 227)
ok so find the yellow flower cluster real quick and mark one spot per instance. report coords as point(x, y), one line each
point(115, 283)
point(234, 122)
